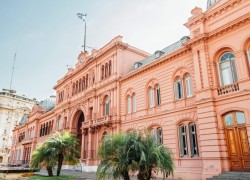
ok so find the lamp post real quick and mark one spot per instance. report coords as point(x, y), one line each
point(83, 17)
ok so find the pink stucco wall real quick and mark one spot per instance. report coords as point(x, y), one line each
point(222, 28)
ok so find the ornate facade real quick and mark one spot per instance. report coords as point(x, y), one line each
point(193, 95)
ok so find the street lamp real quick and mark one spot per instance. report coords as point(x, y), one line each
point(83, 17)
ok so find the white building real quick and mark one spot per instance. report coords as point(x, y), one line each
point(14, 109)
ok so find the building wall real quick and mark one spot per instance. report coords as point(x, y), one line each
point(12, 109)
point(222, 28)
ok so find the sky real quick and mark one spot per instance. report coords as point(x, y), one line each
point(46, 35)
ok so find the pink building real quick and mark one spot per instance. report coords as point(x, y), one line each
point(193, 95)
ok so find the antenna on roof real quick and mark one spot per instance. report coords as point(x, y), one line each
point(13, 67)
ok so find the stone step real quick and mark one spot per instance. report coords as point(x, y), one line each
point(231, 175)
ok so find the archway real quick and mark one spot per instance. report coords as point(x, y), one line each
point(1, 159)
point(76, 126)
point(80, 120)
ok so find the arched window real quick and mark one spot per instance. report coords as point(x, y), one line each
point(76, 87)
point(183, 141)
point(110, 68)
point(178, 89)
point(193, 139)
point(227, 69)
point(248, 55)
point(128, 104)
point(106, 106)
point(158, 95)
point(46, 129)
point(106, 70)
point(151, 97)
point(134, 102)
point(87, 78)
point(83, 83)
point(80, 85)
point(73, 89)
point(157, 134)
point(183, 130)
point(188, 83)
point(102, 77)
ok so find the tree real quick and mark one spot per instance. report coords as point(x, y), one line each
point(65, 146)
point(155, 157)
point(43, 157)
point(117, 155)
point(130, 152)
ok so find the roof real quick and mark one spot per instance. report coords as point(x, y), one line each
point(163, 52)
point(24, 119)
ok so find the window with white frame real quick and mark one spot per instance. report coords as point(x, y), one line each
point(188, 85)
point(158, 96)
point(183, 130)
point(178, 89)
point(106, 109)
point(183, 141)
point(157, 134)
point(227, 69)
point(134, 102)
point(129, 104)
point(151, 97)
point(193, 139)
point(248, 56)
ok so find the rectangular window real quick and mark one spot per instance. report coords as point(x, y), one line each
point(91, 113)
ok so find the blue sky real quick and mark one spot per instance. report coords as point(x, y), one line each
point(47, 35)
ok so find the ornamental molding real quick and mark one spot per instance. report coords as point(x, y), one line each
point(213, 13)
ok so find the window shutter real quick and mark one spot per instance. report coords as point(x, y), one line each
point(233, 70)
point(248, 56)
point(191, 139)
point(134, 103)
point(219, 73)
point(158, 96)
point(181, 148)
point(176, 90)
point(181, 90)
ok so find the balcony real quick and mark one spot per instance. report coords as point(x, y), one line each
point(228, 89)
point(102, 121)
point(27, 141)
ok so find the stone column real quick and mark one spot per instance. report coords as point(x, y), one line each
point(84, 133)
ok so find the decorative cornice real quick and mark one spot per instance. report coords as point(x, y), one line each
point(212, 13)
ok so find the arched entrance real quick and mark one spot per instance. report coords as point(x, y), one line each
point(1, 159)
point(237, 141)
point(77, 125)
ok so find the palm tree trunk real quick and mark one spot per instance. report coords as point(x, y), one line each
point(149, 174)
point(125, 175)
point(59, 166)
point(49, 170)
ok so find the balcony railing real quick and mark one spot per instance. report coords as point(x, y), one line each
point(228, 89)
point(27, 140)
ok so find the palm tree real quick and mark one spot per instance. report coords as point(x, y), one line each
point(123, 153)
point(43, 157)
point(66, 148)
point(117, 155)
point(156, 157)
